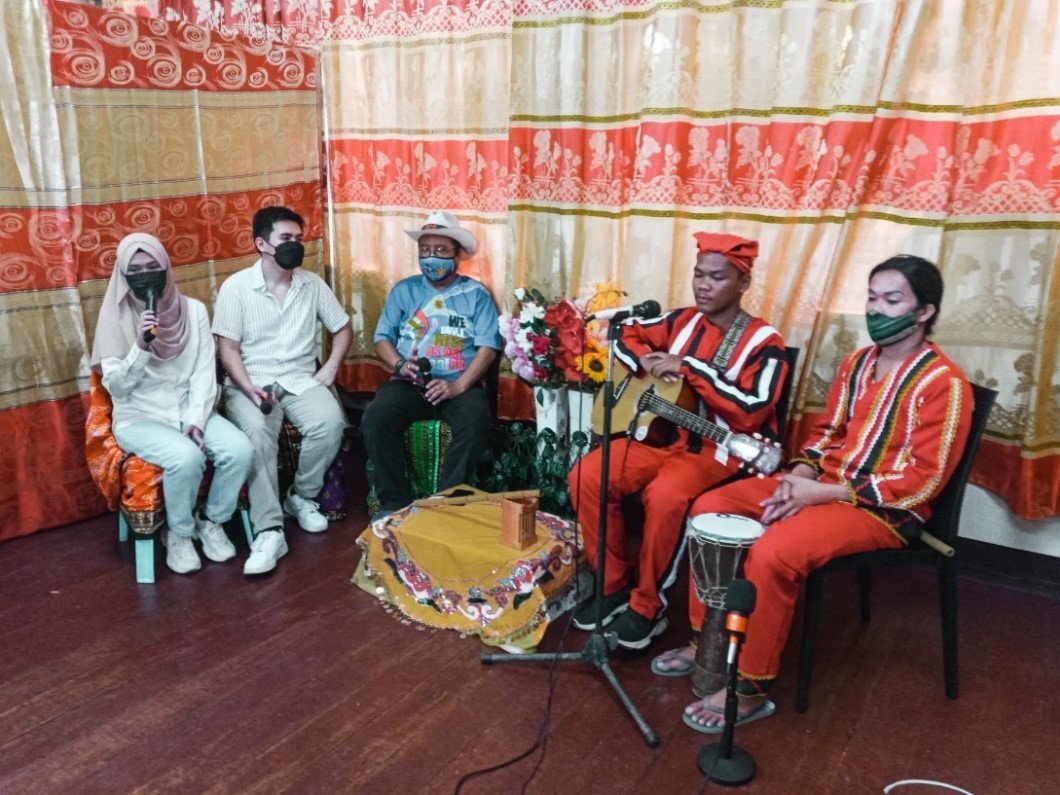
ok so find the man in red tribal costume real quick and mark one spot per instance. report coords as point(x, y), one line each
point(736, 365)
point(896, 424)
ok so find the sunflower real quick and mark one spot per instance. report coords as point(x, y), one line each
point(593, 364)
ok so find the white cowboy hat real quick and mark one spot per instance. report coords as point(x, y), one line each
point(445, 224)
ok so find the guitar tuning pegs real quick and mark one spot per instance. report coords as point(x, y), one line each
point(761, 476)
point(758, 436)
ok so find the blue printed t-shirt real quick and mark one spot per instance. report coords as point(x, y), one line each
point(447, 326)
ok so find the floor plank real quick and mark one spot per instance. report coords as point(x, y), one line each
point(300, 682)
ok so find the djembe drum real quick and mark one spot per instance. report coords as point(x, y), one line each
point(717, 543)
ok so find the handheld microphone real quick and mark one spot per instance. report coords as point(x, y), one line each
point(152, 302)
point(739, 604)
point(276, 392)
point(646, 309)
point(424, 364)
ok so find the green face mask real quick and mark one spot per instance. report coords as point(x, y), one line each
point(885, 330)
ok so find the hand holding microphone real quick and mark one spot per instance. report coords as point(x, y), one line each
point(274, 393)
point(152, 302)
point(423, 367)
point(423, 364)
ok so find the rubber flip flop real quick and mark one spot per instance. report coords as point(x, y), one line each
point(764, 711)
point(684, 668)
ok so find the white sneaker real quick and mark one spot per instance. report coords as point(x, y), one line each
point(215, 543)
point(307, 512)
point(181, 556)
point(268, 547)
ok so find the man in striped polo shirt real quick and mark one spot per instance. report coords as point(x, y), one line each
point(265, 320)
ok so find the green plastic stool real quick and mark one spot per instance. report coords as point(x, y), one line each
point(145, 546)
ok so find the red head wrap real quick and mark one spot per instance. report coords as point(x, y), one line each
point(740, 251)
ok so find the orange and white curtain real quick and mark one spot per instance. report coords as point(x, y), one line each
point(114, 124)
point(586, 140)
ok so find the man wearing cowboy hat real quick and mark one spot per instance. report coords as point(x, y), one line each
point(449, 321)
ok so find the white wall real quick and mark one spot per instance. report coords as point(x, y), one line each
point(986, 517)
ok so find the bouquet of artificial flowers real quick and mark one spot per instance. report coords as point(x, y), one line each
point(549, 343)
point(530, 342)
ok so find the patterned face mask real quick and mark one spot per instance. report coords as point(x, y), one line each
point(885, 330)
point(437, 268)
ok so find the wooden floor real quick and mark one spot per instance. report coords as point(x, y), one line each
point(300, 682)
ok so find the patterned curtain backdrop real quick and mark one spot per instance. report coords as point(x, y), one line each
point(836, 134)
point(113, 125)
point(416, 102)
point(586, 140)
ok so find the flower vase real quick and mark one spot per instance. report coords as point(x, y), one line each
point(551, 410)
point(581, 420)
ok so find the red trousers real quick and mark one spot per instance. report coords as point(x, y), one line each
point(670, 477)
point(777, 562)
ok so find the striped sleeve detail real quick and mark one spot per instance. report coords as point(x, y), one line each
point(840, 401)
point(763, 388)
point(950, 431)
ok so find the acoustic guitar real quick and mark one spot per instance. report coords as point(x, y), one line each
point(647, 409)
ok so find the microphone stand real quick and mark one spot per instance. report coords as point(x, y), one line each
point(598, 646)
point(722, 762)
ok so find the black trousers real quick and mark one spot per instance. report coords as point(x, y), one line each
point(396, 405)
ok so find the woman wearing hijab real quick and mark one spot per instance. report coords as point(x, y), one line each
point(156, 356)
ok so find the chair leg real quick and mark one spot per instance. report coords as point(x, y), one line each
point(863, 588)
point(123, 528)
point(948, 611)
point(810, 618)
point(145, 560)
point(246, 526)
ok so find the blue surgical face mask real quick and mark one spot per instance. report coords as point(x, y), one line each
point(437, 268)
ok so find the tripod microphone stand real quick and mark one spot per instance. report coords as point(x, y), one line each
point(599, 645)
point(722, 762)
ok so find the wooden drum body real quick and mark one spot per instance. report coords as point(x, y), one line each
point(717, 545)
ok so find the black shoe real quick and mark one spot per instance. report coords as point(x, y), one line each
point(584, 616)
point(634, 631)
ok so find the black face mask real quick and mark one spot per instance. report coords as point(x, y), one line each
point(146, 282)
point(289, 255)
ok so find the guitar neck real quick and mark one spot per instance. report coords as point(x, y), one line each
point(686, 419)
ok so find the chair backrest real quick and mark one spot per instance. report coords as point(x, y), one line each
point(946, 512)
point(783, 405)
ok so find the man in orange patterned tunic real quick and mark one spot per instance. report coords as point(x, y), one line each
point(896, 424)
point(736, 365)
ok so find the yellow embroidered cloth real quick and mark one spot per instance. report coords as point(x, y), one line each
point(444, 566)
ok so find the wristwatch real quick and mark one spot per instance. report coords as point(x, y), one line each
point(401, 362)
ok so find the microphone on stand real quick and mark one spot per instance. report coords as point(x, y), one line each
point(152, 302)
point(646, 309)
point(722, 762)
point(740, 601)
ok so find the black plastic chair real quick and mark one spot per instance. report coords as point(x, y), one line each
point(943, 525)
point(784, 404)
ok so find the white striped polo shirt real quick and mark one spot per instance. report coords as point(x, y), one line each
point(278, 342)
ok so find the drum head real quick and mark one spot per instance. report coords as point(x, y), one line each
point(725, 527)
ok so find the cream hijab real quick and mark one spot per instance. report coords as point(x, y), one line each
point(119, 314)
